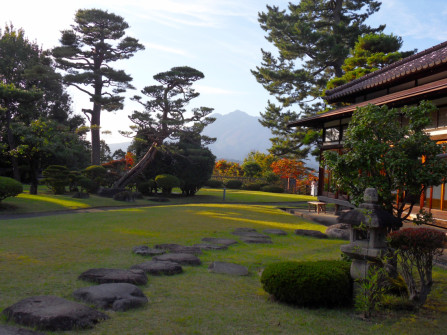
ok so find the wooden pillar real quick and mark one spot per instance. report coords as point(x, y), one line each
point(430, 201)
point(442, 196)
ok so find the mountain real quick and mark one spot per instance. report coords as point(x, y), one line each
point(237, 134)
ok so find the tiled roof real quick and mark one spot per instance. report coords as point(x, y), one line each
point(420, 62)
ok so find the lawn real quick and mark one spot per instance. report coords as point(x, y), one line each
point(44, 255)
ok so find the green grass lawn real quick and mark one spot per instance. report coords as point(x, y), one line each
point(44, 255)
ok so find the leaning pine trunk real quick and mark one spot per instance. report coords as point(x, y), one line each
point(138, 168)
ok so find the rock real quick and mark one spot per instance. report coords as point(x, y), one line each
point(311, 233)
point(102, 276)
point(144, 250)
point(183, 259)
point(228, 268)
point(210, 246)
point(53, 314)
point(224, 241)
point(274, 231)
point(116, 296)
point(179, 249)
point(339, 230)
point(256, 239)
point(157, 268)
point(10, 330)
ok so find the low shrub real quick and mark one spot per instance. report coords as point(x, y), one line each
point(233, 184)
point(88, 185)
point(97, 173)
point(271, 177)
point(57, 178)
point(272, 189)
point(309, 284)
point(214, 183)
point(124, 196)
point(147, 187)
point(252, 187)
point(9, 188)
point(167, 182)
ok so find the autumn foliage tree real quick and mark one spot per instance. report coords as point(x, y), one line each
point(291, 169)
point(228, 169)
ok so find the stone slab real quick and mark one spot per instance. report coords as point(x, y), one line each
point(115, 296)
point(311, 233)
point(211, 246)
point(10, 330)
point(239, 231)
point(182, 259)
point(53, 313)
point(103, 276)
point(340, 231)
point(144, 250)
point(223, 241)
point(158, 268)
point(228, 268)
point(179, 249)
point(274, 231)
point(256, 240)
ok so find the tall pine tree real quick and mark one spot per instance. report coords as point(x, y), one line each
point(96, 40)
point(313, 38)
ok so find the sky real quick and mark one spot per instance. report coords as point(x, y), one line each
point(221, 38)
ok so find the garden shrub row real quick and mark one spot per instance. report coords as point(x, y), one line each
point(238, 184)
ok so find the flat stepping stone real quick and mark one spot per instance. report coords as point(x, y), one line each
point(224, 241)
point(311, 233)
point(157, 268)
point(115, 296)
point(243, 231)
point(10, 330)
point(144, 250)
point(53, 314)
point(256, 240)
point(179, 249)
point(274, 231)
point(182, 259)
point(103, 276)
point(228, 268)
point(210, 246)
point(340, 231)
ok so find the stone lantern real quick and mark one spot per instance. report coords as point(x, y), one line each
point(369, 227)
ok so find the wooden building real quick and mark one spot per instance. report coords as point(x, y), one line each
point(422, 76)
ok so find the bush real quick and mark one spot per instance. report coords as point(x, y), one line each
point(9, 188)
point(57, 178)
point(124, 196)
point(88, 185)
point(97, 173)
point(252, 187)
point(271, 177)
point(234, 184)
point(214, 183)
point(309, 284)
point(147, 187)
point(272, 189)
point(167, 182)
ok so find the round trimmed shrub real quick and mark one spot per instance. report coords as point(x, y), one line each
point(234, 184)
point(56, 178)
point(167, 182)
point(88, 185)
point(147, 187)
point(214, 183)
point(252, 187)
point(97, 173)
point(309, 284)
point(272, 189)
point(9, 188)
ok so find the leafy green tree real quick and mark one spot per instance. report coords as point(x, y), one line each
point(264, 160)
point(165, 117)
point(312, 38)
point(94, 42)
point(251, 169)
point(371, 53)
point(382, 153)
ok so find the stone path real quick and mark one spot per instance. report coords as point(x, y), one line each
point(102, 276)
point(144, 250)
point(182, 259)
point(157, 268)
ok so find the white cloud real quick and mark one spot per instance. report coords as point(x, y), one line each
point(164, 48)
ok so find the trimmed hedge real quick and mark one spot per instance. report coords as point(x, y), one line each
point(252, 187)
point(147, 187)
point(234, 184)
point(9, 188)
point(213, 183)
point(309, 284)
point(272, 189)
point(167, 182)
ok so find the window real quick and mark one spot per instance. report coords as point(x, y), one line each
point(332, 135)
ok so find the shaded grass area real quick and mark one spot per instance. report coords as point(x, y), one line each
point(45, 255)
point(45, 201)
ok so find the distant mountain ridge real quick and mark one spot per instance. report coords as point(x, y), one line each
point(237, 134)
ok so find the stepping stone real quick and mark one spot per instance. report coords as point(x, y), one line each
point(115, 296)
point(102, 276)
point(224, 241)
point(144, 250)
point(157, 268)
point(53, 314)
point(274, 231)
point(256, 239)
point(183, 259)
point(228, 268)
point(179, 249)
point(311, 233)
point(10, 330)
point(243, 231)
point(210, 246)
point(339, 230)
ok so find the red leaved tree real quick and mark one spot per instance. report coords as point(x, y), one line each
point(289, 168)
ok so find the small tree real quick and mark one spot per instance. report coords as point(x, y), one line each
point(9, 188)
point(251, 169)
point(289, 168)
point(389, 150)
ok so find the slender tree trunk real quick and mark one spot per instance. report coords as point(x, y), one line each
point(95, 131)
point(33, 175)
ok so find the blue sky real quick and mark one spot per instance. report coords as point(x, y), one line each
point(221, 38)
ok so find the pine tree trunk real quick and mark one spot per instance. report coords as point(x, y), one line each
point(138, 168)
point(95, 129)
